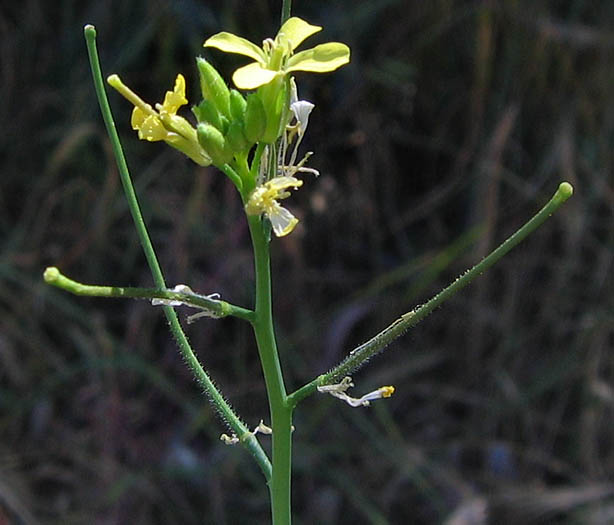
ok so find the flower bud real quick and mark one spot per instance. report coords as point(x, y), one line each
point(235, 138)
point(237, 105)
point(212, 140)
point(255, 118)
point(213, 87)
point(225, 123)
point(207, 112)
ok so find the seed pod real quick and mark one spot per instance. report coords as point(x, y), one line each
point(214, 143)
point(237, 105)
point(255, 118)
point(213, 86)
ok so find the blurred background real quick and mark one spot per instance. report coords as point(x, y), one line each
point(453, 124)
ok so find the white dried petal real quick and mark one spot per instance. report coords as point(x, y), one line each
point(229, 440)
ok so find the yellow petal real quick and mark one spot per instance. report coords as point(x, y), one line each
point(295, 30)
point(230, 43)
point(173, 100)
point(138, 116)
point(152, 129)
point(253, 76)
point(320, 59)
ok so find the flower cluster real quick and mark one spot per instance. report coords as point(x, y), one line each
point(230, 123)
point(163, 123)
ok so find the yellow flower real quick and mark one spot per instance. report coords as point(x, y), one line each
point(277, 57)
point(264, 200)
point(163, 123)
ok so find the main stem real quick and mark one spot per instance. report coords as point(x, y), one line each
point(281, 411)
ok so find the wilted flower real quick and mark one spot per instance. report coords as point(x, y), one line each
point(339, 391)
point(264, 200)
point(163, 123)
point(301, 109)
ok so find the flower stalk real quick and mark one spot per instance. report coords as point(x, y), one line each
point(217, 307)
point(360, 355)
point(286, 8)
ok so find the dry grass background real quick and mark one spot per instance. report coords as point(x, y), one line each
point(455, 121)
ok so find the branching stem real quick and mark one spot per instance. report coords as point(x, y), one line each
point(237, 426)
point(217, 307)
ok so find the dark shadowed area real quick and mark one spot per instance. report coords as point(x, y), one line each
point(453, 124)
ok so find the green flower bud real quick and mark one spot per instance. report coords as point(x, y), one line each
point(212, 140)
point(235, 136)
point(213, 86)
point(255, 118)
point(237, 105)
point(207, 112)
point(225, 123)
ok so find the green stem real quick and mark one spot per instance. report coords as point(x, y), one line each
point(256, 161)
point(286, 7)
point(216, 307)
point(237, 426)
point(233, 176)
point(360, 355)
point(281, 412)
